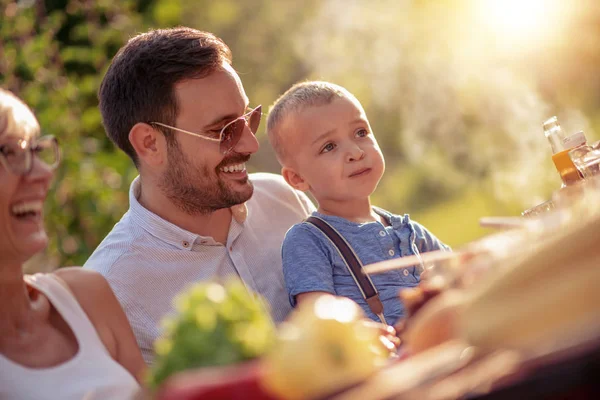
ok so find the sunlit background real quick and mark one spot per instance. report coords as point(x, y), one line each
point(456, 91)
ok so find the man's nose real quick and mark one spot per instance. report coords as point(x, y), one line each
point(248, 143)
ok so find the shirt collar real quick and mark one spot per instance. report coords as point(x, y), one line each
point(165, 230)
point(240, 212)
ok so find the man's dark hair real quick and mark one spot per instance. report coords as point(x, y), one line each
point(139, 84)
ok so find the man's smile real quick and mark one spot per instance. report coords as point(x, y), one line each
point(233, 168)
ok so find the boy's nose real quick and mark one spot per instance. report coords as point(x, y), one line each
point(355, 154)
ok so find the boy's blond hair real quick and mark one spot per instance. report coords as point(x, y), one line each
point(296, 98)
point(15, 116)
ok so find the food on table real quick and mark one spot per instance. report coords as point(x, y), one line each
point(215, 325)
point(322, 348)
point(435, 323)
point(544, 299)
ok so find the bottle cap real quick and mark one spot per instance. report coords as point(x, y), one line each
point(574, 140)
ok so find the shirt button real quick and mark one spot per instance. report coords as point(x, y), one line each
point(230, 248)
point(382, 233)
point(185, 244)
point(405, 272)
point(391, 252)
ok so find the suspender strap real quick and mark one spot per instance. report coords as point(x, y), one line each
point(363, 281)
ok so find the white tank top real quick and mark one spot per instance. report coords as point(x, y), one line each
point(90, 374)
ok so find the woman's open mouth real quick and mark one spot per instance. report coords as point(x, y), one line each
point(27, 210)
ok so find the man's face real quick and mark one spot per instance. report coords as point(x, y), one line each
point(334, 150)
point(198, 177)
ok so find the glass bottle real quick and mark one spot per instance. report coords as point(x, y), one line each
point(587, 159)
point(563, 150)
point(561, 145)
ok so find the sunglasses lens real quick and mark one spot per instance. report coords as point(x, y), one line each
point(233, 132)
point(231, 135)
point(254, 120)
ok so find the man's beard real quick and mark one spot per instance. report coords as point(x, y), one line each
point(200, 190)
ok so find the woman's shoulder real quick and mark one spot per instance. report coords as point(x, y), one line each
point(98, 301)
point(83, 283)
point(96, 298)
point(91, 290)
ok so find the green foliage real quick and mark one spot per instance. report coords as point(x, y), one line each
point(54, 56)
point(451, 110)
point(216, 325)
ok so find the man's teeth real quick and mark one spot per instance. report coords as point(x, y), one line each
point(234, 168)
point(26, 207)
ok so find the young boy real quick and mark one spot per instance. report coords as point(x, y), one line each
point(323, 140)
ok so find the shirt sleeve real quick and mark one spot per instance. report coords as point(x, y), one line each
point(306, 263)
point(427, 241)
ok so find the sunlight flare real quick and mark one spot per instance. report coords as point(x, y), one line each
point(521, 20)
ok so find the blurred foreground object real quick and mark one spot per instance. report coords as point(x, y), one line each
point(232, 382)
point(527, 328)
point(568, 205)
point(544, 300)
point(323, 347)
point(549, 263)
point(587, 159)
point(215, 326)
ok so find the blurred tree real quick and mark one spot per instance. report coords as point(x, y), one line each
point(456, 107)
point(55, 53)
point(52, 53)
point(456, 91)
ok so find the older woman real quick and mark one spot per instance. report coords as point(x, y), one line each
point(62, 335)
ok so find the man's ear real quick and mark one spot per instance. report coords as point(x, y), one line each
point(294, 179)
point(148, 143)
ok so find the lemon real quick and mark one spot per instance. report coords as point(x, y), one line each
point(322, 348)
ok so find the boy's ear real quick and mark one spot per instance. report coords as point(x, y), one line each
point(294, 179)
point(148, 143)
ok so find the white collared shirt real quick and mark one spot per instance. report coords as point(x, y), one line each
point(148, 260)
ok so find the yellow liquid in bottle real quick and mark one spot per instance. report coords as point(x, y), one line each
point(565, 167)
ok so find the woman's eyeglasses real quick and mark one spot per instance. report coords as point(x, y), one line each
point(231, 133)
point(17, 154)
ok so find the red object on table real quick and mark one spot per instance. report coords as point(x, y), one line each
point(231, 382)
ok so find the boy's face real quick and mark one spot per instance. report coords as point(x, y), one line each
point(333, 152)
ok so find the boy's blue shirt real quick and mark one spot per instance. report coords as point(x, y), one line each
point(311, 263)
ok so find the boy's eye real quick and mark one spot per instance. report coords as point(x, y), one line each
point(362, 132)
point(328, 147)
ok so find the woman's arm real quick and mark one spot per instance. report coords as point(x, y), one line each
point(98, 301)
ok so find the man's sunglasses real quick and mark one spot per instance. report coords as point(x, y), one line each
point(231, 133)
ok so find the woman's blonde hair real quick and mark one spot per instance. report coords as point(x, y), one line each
point(15, 116)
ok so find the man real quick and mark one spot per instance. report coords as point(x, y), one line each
point(172, 101)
